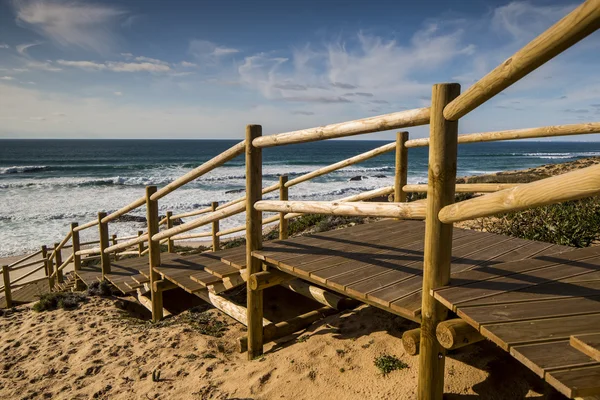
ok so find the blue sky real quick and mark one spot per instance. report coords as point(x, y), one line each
point(205, 69)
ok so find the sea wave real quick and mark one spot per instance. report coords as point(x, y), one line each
point(22, 169)
point(559, 156)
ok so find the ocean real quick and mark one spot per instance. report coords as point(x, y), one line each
point(47, 184)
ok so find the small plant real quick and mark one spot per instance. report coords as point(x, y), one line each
point(312, 375)
point(209, 355)
point(302, 339)
point(340, 352)
point(387, 363)
point(342, 370)
point(156, 375)
point(103, 289)
point(53, 301)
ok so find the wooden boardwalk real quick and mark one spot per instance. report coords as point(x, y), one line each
point(381, 263)
point(545, 311)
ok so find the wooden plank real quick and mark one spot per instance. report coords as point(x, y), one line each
point(544, 357)
point(580, 382)
point(205, 278)
point(511, 334)
point(513, 312)
point(587, 344)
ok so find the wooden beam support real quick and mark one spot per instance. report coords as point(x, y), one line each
point(104, 243)
point(266, 279)
point(281, 329)
point(411, 340)
point(59, 261)
point(163, 285)
point(140, 244)
point(76, 258)
point(401, 174)
point(456, 333)
point(7, 289)
point(320, 295)
point(215, 228)
point(169, 221)
point(438, 240)
point(114, 241)
point(283, 196)
point(153, 253)
point(253, 240)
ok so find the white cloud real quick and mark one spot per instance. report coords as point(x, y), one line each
point(187, 64)
point(118, 93)
point(22, 48)
point(7, 78)
point(209, 53)
point(71, 23)
point(43, 66)
point(151, 60)
point(116, 66)
point(4, 46)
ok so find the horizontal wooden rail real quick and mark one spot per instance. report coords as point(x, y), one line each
point(18, 285)
point(208, 166)
point(240, 228)
point(191, 213)
point(578, 24)
point(61, 244)
point(29, 264)
point(357, 197)
point(86, 225)
point(30, 256)
point(188, 226)
point(123, 245)
point(95, 250)
point(572, 185)
point(392, 210)
point(63, 265)
point(191, 235)
point(33, 271)
point(402, 119)
point(342, 164)
point(129, 253)
point(266, 190)
point(121, 238)
point(464, 187)
point(513, 134)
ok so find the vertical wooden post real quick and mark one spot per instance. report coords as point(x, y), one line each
point(153, 253)
point(253, 240)
point(401, 177)
point(216, 245)
point(438, 239)
point(50, 271)
point(104, 243)
point(59, 261)
point(76, 259)
point(283, 195)
point(141, 244)
point(113, 240)
point(45, 258)
point(7, 291)
point(170, 243)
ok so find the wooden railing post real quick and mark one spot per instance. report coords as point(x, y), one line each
point(401, 176)
point(50, 271)
point(215, 228)
point(153, 253)
point(7, 291)
point(283, 195)
point(59, 261)
point(253, 240)
point(104, 243)
point(76, 259)
point(141, 244)
point(45, 258)
point(114, 242)
point(438, 239)
point(170, 243)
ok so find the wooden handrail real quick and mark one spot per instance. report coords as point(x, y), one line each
point(61, 245)
point(464, 187)
point(63, 265)
point(240, 228)
point(25, 258)
point(578, 24)
point(198, 222)
point(402, 119)
point(86, 225)
point(512, 134)
point(192, 213)
point(33, 271)
point(191, 236)
point(120, 246)
point(392, 210)
point(357, 197)
point(344, 163)
point(29, 264)
point(211, 164)
point(572, 185)
point(18, 285)
point(95, 250)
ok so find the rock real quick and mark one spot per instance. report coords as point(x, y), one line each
point(358, 178)
point(380, 176)
point(130, 218)
point(235, 191)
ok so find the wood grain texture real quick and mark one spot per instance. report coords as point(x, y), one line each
point(283, 196)
point(587, 344)
point(153, 253)
point(574, 27)
point(401, 167)
point(464, 187)
point(413, 210)
point(401, 119)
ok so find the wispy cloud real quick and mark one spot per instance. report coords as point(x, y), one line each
point(4, 46)
point(187, 64)
point(22, 48)
point(7, 78)
point(71, 23)
point(116, 66)
point(209, 53)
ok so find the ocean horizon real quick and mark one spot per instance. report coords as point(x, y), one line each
point(45, 184)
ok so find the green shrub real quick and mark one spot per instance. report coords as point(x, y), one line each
point(387, 363)
point(573, 223)
point(53, 301)
point(103, 288)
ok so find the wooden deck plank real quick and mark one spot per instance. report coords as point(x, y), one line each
point(511, 334)
point(580, 382)
point(544, 357)
point(587, 344)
